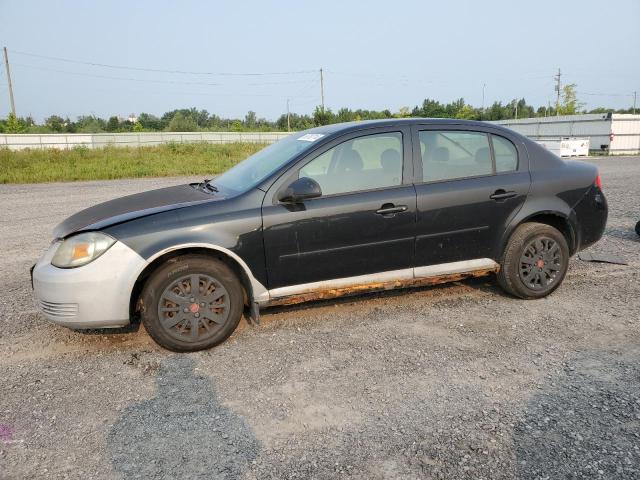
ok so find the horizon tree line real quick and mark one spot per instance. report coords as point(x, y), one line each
point(193, 120)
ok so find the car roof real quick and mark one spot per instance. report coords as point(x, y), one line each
point(391, 122)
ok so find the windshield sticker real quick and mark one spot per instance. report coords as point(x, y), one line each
point(311, 137)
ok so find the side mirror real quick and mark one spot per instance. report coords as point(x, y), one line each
point(300, 190)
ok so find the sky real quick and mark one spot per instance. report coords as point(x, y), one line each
point(229, 57)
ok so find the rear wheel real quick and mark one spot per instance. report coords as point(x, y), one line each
point(535, 261)
point(190, 303)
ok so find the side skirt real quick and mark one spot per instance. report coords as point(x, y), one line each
point(408, 278)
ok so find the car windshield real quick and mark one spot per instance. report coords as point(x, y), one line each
point(250, 172)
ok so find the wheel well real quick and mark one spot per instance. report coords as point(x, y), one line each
point(153, 266)
point(559, 223)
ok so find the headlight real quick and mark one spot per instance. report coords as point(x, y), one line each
point(81, 249)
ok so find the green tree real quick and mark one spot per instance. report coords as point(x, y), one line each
point(14, 125)
point(430, 109)
point(90, 124)
point(467, 113)
point(236, 126)
point(570, 104)
point(323, 116)
point(55, 123)
point(113, 124)
point(201, 117)
point(524, 110)
point(297, 121)
point(494, 112)
point(454, 107)
point(150, 122)
point(250, 120)
point(182, 123)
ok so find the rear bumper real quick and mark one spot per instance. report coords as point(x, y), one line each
point(96, 295)
point(591, 215)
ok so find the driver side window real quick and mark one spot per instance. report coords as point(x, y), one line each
point(363, 163)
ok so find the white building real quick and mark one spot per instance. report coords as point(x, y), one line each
point(615, 133)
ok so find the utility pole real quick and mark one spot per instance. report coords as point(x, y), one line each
point(322, 89)
point(634, 102)
point(6, 65)
point(516, 117)
point(482, 109)
point(288, 120)
point(558, 88)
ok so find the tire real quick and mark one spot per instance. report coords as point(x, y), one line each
point(180, 322)
point(638, 228)
point(534, 262)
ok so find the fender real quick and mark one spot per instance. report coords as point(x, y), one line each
point(233, 228)
point(557, 186)
point(258, 293)
point(536, 205)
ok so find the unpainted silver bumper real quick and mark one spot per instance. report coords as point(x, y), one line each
point(95, 295)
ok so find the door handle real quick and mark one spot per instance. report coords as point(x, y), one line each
point(390, 209)
point(501, 194)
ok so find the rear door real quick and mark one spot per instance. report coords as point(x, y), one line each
point(363, 223)
point(472, 183)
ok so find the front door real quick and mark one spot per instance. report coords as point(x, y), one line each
point(363, 223)
point(473, 182)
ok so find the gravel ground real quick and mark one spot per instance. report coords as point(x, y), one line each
point(456, 381)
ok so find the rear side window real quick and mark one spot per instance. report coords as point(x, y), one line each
point(447, 155)
point(505, 153)
point(363, 163)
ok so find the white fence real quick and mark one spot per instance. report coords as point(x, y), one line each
point(617, 133)
point(64, 141)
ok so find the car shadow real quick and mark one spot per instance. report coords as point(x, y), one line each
point(183, 432)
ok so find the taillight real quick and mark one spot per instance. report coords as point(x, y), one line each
point(599, 182)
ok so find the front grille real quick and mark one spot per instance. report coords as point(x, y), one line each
point(63, 310)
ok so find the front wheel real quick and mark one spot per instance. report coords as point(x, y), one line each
point(191, 302)
point(535, 261)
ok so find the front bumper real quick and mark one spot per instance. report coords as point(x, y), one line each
point(96, 295)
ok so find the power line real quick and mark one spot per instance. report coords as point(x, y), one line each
point(109, 77)
point(174, 82)
point(209, 93)
point(308, 86)
point(395, 78)
point(606, 94)
point(159, 70)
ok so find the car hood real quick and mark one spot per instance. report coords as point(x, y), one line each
point(133, 206)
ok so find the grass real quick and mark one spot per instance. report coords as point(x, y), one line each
point(172, 159)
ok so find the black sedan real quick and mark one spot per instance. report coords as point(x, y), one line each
point(331, 211)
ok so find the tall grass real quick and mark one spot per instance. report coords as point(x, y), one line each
point(81, 163)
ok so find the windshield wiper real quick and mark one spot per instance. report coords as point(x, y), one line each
point(205, 185)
